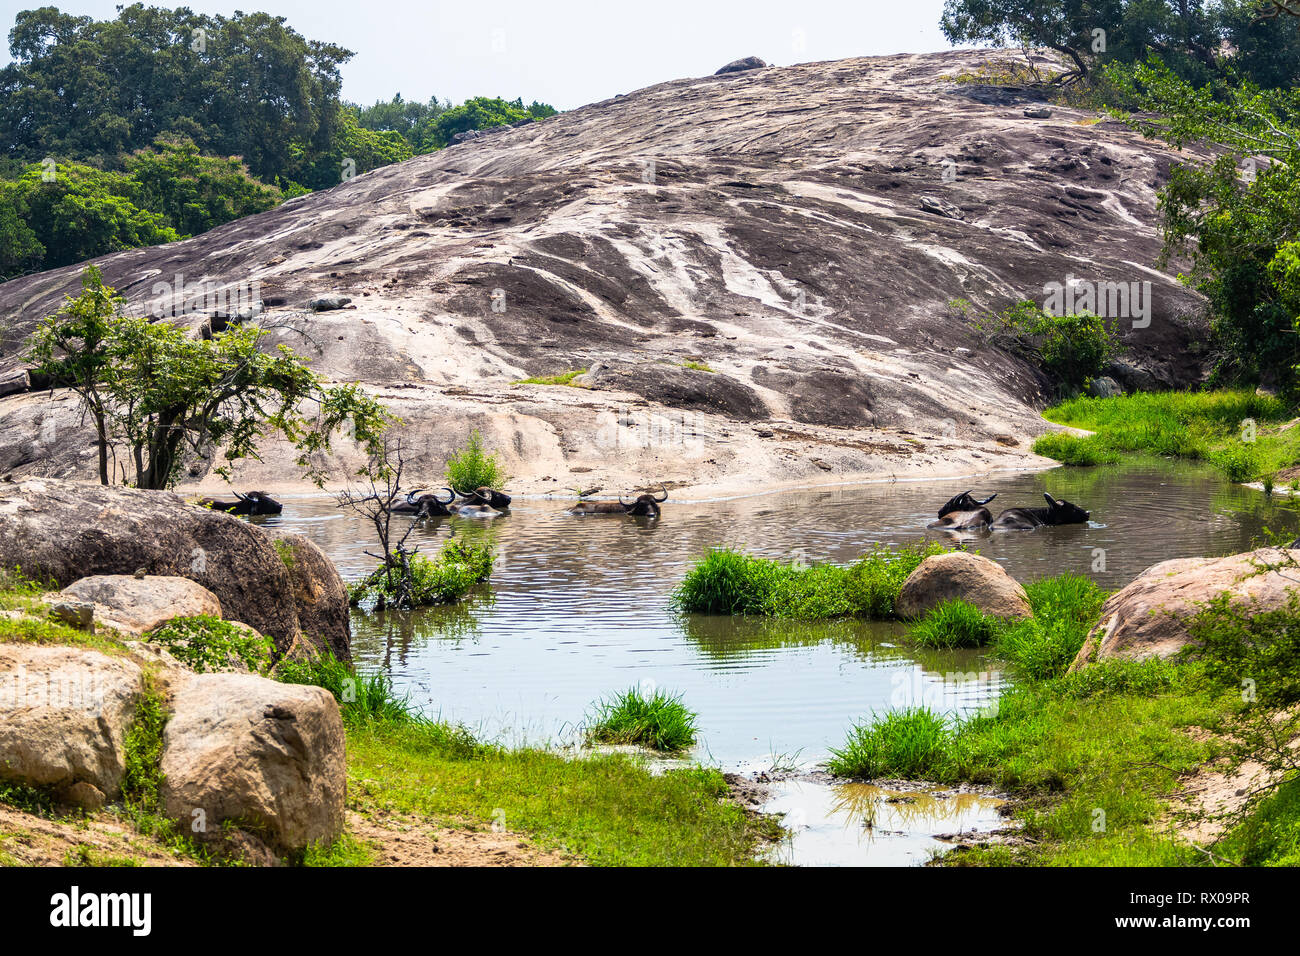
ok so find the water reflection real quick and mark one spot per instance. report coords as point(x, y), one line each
point(578, 606)
point(858, 824)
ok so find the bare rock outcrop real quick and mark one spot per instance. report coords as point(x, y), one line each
point(135, 605)
point(963, 576)
point(252, 753)
point(800, 230)
point(67, 530)
point(64, 714)
point(1149, 616)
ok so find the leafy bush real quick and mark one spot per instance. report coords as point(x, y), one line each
point(1071, 349)
point(659, 721)
point(901, 743)
point(955, 624)
point(455, 572)
point(208, 643)
point(472, 467)
point(728, 582)
point(1236, 642)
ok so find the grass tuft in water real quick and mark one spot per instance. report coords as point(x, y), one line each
point(955, 624)
point(659, 721)
point(728, 582)
point(900, 743)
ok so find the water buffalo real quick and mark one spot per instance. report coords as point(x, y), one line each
point(484, 495)
point(253, 503)
point(964, 513)
point(643, 506)
point(1057, 512)
point(424, 506)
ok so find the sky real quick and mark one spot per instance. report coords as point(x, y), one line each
point(566, 52)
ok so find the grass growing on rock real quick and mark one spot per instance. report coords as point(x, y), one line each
point(207, 643)
point(1241, 432)
point(564, 378)
point(728, 582)
point(659, 721)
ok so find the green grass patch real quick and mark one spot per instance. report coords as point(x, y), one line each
point(362, 697)
point(728, 582)
point(1238, 431)
point(607, 809)
point(1075, 449)
point(697, 366)
point(564, 378)
point(955, 624)
point(206, 643)
point(659, 721)
point(900, 743)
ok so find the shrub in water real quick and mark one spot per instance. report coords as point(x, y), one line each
point(458, 568)
point(901, 743)
point(658, 721)
point(727, 582)
point(472, 467)
point(208, 643)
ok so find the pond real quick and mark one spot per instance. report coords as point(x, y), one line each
point(578, 607)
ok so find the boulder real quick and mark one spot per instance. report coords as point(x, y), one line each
point(965, 576)
point(1038, 112)
point(14, 382)
point(939, 207)
point(67, 530)
point(319, 594)
point(1104, 387)
point(261, 755)
point(1149, 616)
point(741, 65)
point(328, 303)
point(64, 713)
point(135, 605)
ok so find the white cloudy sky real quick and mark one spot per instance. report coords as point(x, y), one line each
point(567, 52)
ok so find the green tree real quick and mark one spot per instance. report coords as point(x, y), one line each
point(83, 212)
point(246, 85)
point(196, 192)
point(1237, 216)
point(20, 250)
point(480, 112)
point(158, 394)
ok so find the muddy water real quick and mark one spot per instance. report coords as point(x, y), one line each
point(857, 824)
point(578, 607)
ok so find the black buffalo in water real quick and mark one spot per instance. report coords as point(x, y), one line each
point(489, 497)
point(964, 513)
point(424, 506)
point(1058, 511)
point(431, 506)
point(643, 506)
point(253, 503)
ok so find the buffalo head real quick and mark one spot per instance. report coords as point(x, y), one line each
point(644, 506)
point(489, 497)
point(964, 502)
point(1060, 511)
